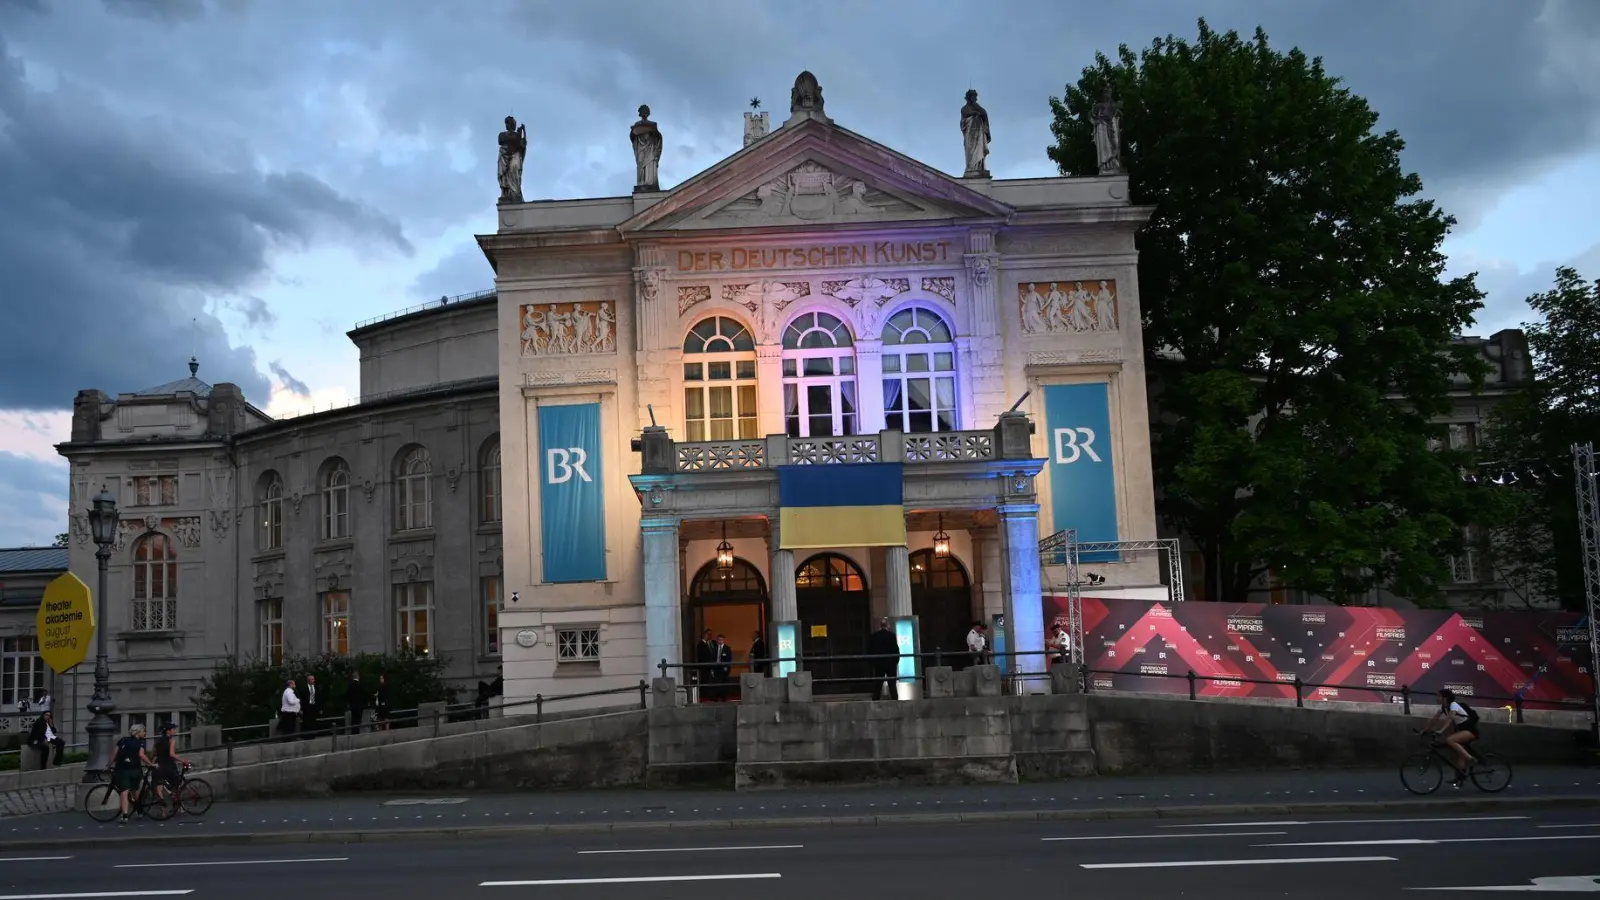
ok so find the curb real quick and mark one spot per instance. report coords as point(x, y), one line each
point(477, 832)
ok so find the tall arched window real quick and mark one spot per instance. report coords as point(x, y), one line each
point(269, 535)
point(489, 481)
point(719, 381)
point(155, 584)
point(413, 490)
point(819, 377)
point(335, 491)
point(919, 372)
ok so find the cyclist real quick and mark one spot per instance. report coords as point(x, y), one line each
point(1463, 722)
point(127, 767)
point(169, 765)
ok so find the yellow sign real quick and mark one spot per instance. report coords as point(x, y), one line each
point(819, 631)
point(66, 623)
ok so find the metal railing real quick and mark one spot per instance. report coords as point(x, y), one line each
point(421, 307)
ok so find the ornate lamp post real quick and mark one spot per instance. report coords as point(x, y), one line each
point(102, 731)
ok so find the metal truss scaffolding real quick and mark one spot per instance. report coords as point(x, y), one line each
point(1064, 549)
point(1589, 529)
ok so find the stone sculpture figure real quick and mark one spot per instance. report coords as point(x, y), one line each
point(513, 148)
point(975, 136)
point(646, 137)
point(806, 96)
point(1108, 134)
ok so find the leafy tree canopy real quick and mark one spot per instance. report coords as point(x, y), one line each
point(1295, 272)
point(241, 693)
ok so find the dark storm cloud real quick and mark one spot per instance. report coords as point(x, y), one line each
point(34, 496)
point(254, 310)
point(113, 234)
point(290, 383)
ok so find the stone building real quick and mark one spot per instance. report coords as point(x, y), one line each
point(24, 574)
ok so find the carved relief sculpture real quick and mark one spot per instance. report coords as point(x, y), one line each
point(646, 138)
point(692, 295)
point(513, 148)
point(866, 294)
point(649, 279)
point(767, 301)
point(564, 329)
point(810, 192)
point(186, 530)
point(943, 285)
point(975, 136)
point(1108, 134)
point(1068, 307)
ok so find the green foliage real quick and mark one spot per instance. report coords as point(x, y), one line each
point(1290, 265)
point(61, 539)
point(247, 693)
point(1535, 545)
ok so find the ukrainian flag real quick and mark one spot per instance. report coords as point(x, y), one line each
point(848, 505)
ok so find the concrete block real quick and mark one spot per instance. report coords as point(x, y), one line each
point(431, 715)
point(941, 681)
point(1064, 679)
point(204, 737)
point(986, 681)
point(962, 684)
point(663, 693)
point(798, 687)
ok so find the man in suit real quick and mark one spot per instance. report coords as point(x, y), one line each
point(886, 652)
point(705, 657)
point(357, 698)
point(43, 738)
point(311, 705)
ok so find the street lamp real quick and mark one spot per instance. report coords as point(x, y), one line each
point(103, 527)
point(941, 541)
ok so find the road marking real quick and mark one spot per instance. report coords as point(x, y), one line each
point(1416, 841)
point(1584, 825)
point(230, 862)
point(693, 849)
point(95, 894)
point(1354, 822)
point(1141, 837)
point(31, 858)
point(1572, 884)
point(640, 880)
point(1233, 862)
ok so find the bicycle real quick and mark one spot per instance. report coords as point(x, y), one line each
point(1422, 773)
point(193, 796)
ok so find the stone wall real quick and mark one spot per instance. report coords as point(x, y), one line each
point(692, 745)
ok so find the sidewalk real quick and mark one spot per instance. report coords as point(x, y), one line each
point(370, 816)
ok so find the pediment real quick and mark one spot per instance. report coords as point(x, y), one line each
point(818, 175)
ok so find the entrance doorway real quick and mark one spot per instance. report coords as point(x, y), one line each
point(941, 598)
point(835, 620)
point(732, 604)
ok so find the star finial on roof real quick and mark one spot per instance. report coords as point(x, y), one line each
point(755, 102)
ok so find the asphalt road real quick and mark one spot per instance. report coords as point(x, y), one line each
point(368, 812)
point(1372, 857)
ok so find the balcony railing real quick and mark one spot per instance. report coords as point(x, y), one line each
point(889, 446)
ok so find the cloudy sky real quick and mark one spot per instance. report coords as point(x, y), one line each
point(246, 179)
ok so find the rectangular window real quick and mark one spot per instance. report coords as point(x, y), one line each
point(336, 507)
point(493, 603)
point(187, 721)
point(155, 490)
point(336, 622)
point(272, 523)
point(723, 407)
point(578, 645)
point(413, 608)
point(270, 614)
point(1464, 567)
point(21, 670)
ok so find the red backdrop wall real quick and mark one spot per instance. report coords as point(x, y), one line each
point(1360, 653)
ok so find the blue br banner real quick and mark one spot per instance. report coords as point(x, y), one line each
point(572, 503)
point(1083, 484)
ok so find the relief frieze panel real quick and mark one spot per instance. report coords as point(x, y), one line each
point(943, 285)
point(1067, 307)
point(568, 329)
point(692, 295)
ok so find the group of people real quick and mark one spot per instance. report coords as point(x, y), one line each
point(714, 665)
point(131, 758)
point(300, 708)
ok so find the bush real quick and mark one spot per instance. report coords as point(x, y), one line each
point(10, 760)
point(248, 693)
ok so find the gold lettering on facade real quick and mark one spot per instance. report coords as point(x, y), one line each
point(822, 256)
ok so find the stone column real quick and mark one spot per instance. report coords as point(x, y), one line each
point(662, 585)
point(897, 563)
point(780, 579)
point(869, 387)
point(1019, 536)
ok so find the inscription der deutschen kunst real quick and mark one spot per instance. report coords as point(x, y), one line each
point(876, 253)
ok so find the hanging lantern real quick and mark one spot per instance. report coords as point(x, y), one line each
point(941, 541)
point(725, 554)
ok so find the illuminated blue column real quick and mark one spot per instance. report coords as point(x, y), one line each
point(662, 586)
point(1019, 536)
point(785, 637)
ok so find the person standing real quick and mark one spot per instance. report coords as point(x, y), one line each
point(127, 768)
point(705, 658)
point(381, 703)
point(288, 711)
point(169, 765)
point(760, 656)
point(977, 645)
point(356, 698)
point(885, 651)
point(43, 738)
point(312, 704)
point(723, 673)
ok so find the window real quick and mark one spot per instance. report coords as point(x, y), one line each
point(489, 481)
point(819, 377)
point(919, 373)
point(336, 622)
point(578, 645)
point(413, 608)
point(269, 614)
point(493, 603)
point(271, 532)
point(1463, 435)
point(336, 500)
point(1464, 567)
point(155, 584)
point(414, 490)
point(156, 490)
point(719, 382)
point(21, 670)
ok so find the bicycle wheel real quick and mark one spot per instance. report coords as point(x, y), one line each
point(194, 797)
point(154, 806)
point(1492, 773)
point(1422, 774)
point(102, 803)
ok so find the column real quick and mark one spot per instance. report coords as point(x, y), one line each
point(662, 585)
point(780, 579)
point(897, 563)
point(1019, 537)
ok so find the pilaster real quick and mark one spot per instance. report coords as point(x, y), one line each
point(897, 565)
point(869, 386)
point(662, 588)
point(780, 578)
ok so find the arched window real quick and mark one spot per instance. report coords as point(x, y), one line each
point(489, 481)
point(829, 571)
point(919, 372)
point(413, 490)
point(819, 377)
point(740, 583)
point(155, 584)
point(719, 381)
point(335, 491)
point(269, 536)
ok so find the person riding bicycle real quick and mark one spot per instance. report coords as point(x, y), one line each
point(1463, 722)
point(128, 761)
point(169, 765)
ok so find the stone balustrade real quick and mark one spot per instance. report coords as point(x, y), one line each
point(888, 446)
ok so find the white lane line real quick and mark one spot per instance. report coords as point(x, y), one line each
point(1352, 822)
point(1417, 841)
point(1233, 862)
point(1142, 837)
point(693, 849)
point(4, 859)
point(231, 862)
point(1584, 825)
point(1235, 825)
point(1567, 884)
point(95, 894)
point(640, 880)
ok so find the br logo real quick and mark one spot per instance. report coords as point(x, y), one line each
point(563, 463)
point(1072, 443)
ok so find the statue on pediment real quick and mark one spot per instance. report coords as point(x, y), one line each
point(975, 136)
point(513, 148)
point(646, 138)
point(1108, 134)
point(806, 96)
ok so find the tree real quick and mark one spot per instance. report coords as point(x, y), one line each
point(61, 540)
point(239, 694)
point(1291, 266)
point(1533, 541)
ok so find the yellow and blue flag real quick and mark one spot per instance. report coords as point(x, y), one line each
point(847, 505)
